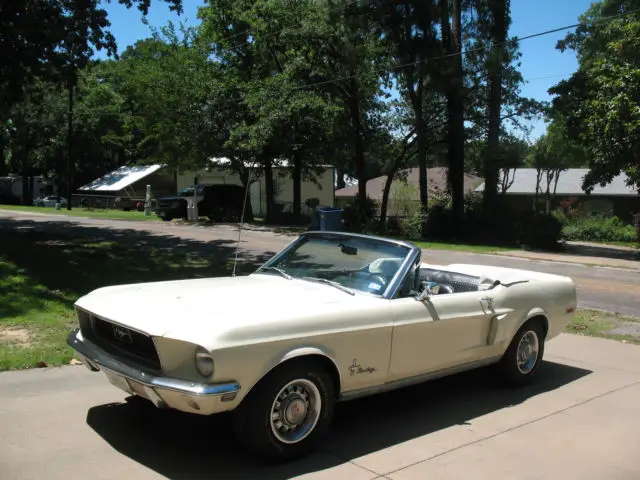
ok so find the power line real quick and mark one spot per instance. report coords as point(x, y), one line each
point(472, 50)
point(442, 57)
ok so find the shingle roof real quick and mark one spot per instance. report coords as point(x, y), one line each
point(569, 183)
point(436, 180)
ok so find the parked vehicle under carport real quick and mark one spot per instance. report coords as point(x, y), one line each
point(219, 203)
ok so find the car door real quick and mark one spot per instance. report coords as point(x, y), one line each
point(441, 332)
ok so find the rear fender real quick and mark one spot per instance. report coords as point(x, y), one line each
point(502, 330)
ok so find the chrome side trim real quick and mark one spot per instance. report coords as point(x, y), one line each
point(96, 359)
point(415, 380)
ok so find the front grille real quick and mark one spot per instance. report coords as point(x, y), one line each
point(125, 343)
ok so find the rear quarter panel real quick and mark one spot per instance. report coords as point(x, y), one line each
point(553, 298)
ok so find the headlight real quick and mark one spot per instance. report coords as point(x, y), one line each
point(204, 362)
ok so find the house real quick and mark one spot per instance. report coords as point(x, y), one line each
point(127, 185)
point(615, 198)
point(404, 196)
point(321, 187)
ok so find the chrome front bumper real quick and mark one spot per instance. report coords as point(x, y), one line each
point(164, 392)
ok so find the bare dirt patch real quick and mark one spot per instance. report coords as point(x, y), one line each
point(20, 336)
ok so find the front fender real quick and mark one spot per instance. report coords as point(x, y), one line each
point(298, 352)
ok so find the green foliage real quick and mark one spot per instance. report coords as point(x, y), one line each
point(502, 228)
point(357, 217)
point(556, 150)
point(54, 37)
point(598, 229)
point(541, 232)
point(600, 101)
point(412, 226)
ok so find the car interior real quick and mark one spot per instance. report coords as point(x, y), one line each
point(447, 282)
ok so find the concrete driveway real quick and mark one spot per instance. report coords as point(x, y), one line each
point(580, 421)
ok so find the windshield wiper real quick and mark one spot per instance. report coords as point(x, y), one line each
point(332, 283)
point(279, 270)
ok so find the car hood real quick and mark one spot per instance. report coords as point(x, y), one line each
point(224, 310)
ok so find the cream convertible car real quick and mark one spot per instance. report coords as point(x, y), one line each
point(334, 316)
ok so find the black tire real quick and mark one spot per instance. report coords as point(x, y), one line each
point(253, 418)
point(513, 374)
point(166, 219)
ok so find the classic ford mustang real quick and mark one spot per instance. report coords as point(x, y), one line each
point(332, 317)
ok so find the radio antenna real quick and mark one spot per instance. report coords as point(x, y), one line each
point(244, 206)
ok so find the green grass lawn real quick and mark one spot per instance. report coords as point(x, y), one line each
point(461, 247)
point(605, 325)
point(83, 212)
point(44, 271)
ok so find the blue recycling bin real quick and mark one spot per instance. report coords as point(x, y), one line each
point(330, 219)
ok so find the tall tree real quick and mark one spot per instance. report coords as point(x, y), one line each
point(410, 30)
point(43, 29)
point(500, 19)
point(451, 33)
point(599, 102)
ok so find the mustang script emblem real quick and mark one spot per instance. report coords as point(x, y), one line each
point(356, 369)
point(123, 335)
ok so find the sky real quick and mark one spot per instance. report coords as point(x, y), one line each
point(542, 66)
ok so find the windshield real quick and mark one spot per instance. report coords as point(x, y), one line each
point(358, 263)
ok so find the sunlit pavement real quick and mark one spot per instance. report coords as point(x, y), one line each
point(579, 421)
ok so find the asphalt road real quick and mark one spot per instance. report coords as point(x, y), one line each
point(604, 288)
point(579, 421)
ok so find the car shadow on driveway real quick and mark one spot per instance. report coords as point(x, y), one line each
point(183, 446)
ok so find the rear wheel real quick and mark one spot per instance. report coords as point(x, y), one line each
point(286, 414)
point(522, 359)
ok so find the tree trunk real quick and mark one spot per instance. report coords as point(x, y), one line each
point(384, 204)
point(25, 176)
point(3, 160)
point(340, 180)
point(297, 187)
point(496, 60)
point(69, 145)
point(270, 194)
point(422, 163)
point(455, 107)
point(359, 160)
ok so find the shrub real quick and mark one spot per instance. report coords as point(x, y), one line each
point(411, 227)
point(599, 229)
point(353, 219)
point(541, 231)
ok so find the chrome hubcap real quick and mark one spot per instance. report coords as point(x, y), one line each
point(528, 349)
point(295, 411)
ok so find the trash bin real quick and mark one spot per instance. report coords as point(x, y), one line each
point(330, 219)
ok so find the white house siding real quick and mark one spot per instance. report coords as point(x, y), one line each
point(323, 190)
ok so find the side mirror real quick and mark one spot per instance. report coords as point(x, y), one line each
point(428, 289)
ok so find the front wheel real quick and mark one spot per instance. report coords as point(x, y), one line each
point(287, 413)
point(524, 355)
